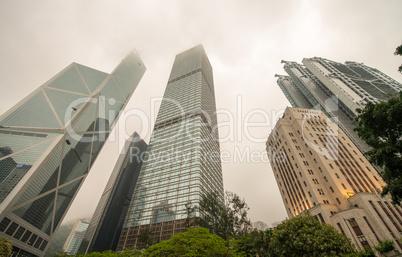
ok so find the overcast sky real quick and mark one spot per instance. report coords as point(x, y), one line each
point(244, 40)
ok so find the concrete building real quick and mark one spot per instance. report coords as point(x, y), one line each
point(48, 143)
point(337, 89)
point(183, 156)
point(75, 238)
point(318, 169)
point(107, 221)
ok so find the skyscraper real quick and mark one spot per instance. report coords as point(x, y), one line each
point(107, 221)
point(75, 238)
point(337, 89)
point(318, 169)
point(183, 156)
point(50, 140)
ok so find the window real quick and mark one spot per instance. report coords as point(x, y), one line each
point(343, 185)
point(339, 202)
point(336, 174)
point(332, 190)
point(330, 165)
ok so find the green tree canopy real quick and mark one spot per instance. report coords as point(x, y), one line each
point(5, 247)
point(227, 218)
point(398, 51)
point(255, 243)
point(380, 126)
point(193, 242)
point(306, 236)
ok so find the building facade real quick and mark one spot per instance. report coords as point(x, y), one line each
point(318, 169)
point(75, 238)
point(183, 156)
point(107, 221)
point(337, 89)
point(48, 143)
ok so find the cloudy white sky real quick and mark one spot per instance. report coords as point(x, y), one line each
point(245, 42)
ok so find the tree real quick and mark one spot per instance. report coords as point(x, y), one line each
point(306, 236)
point(144, 238)
point(227, 218)
point(5, 247)
point(380, 126)
point(193, 242)
point(255, 243)
point(385, 246)
point(398, 51)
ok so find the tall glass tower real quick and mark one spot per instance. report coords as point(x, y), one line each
point(183, 156)
point(337, 89)
point(48, 143)
point(107, 221)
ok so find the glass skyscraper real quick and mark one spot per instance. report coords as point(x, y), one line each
point(183, 156)
point(48, 143)
point(107, 221)
point(337, 89)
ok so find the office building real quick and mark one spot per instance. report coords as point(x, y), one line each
point(337, 89)
point(75, 238)
point(318, 169)
point(183, 155)
point(48, 143)
point(107, 221)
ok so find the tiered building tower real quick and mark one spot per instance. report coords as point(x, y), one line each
point(183, 156)
point(107, 221)
point(337, 89)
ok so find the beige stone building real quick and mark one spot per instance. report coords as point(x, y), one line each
point(318, 169)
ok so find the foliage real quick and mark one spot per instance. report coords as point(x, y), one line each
point(5, 247)
point(227, 218)
point(367, 252)
point(380, 126)
point(144, 239)
point(385, 246)
point(193, 242)
point(398, 51)
point(306, 236)
point(255, 243)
